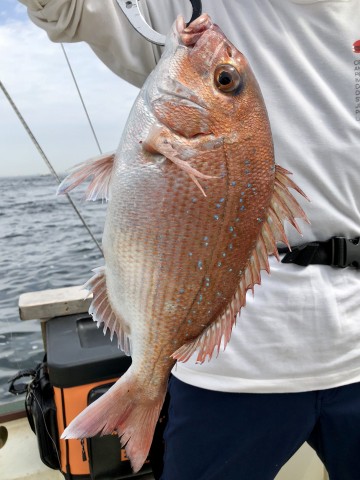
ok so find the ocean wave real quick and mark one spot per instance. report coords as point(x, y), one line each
point(43, 245)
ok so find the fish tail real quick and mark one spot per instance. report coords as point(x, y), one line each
point(125, 411)
point(99, 169)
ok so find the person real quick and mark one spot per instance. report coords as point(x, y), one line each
point(291, 371)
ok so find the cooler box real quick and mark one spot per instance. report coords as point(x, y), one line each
point(83, 364)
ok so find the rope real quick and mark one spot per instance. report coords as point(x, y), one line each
point(46, 160)
point(81, 98)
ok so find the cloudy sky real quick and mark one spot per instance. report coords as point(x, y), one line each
point(35, 73)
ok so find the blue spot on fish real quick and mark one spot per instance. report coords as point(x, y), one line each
point(233, 184)
point(200, 265)
point(216, 217)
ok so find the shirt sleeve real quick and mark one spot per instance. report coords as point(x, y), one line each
point(102, 25)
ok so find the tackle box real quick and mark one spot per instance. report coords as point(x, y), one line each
point(83, 363)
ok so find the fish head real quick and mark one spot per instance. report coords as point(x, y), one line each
point(203, 84)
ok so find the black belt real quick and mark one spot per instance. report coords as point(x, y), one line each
point(338, 252)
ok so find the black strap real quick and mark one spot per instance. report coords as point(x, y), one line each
point(18, 388)
point(338, 252)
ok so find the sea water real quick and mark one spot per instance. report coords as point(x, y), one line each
point(43, 245)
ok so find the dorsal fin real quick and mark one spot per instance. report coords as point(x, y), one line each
point(99, 168)
point(103, 313)
point(283, 206)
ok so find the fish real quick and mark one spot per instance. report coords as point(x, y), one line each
point(196, 205)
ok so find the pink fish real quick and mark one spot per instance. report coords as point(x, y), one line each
point(196, 205)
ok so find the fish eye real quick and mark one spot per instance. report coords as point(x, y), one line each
point(228, 79)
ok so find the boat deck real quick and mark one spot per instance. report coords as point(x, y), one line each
point(19, 458)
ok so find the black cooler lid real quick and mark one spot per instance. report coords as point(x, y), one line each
point(79, 353)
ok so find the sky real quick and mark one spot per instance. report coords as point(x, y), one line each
point(36, 75)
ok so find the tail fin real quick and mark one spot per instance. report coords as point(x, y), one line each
point(122, 409)
point(100, 168)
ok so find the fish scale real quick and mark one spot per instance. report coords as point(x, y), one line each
point(196, 206)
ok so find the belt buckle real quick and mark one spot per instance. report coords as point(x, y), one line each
point(345, 252)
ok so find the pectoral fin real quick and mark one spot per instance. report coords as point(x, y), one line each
point(99, 169)
point(160, 141)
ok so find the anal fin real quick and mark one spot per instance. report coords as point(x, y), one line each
point(103, 313)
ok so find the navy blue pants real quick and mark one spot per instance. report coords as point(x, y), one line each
point(244, 436)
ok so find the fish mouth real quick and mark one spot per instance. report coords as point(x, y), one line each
point(183, 37)
point(167, 87)
point(189, 35)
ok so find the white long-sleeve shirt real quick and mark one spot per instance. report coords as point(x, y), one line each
point(301, 331)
